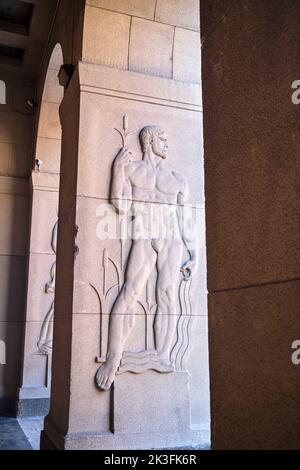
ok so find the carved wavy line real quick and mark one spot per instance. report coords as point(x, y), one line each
point(184, 334)
point(177, 346)
point(173, 350)
point(182, 342)
point(140, 356)
point(181, 330)
point(189, 297)
point(138, 369)
point(188, 326)
point(135, 364)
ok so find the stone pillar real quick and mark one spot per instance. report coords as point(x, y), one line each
point(251, 140)
point(34, 394)
point(130, 362)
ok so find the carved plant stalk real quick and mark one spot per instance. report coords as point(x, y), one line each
point(104, 265)
point(124, 133)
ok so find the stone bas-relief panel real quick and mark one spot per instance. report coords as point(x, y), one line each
point(98, 144)
point(152, 180)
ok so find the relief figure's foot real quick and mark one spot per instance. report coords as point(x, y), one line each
point(106, 373)
point(165, 362)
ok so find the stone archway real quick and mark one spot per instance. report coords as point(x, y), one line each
point(35, 391)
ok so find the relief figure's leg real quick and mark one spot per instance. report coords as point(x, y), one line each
point(141, 262)
point(169, 263)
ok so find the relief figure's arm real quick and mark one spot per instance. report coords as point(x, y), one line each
point(188, 232)
point(120, 191)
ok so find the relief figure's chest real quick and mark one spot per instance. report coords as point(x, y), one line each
point(161, 181)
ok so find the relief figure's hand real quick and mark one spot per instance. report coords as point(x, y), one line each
point(124, 158)
point(188, 269)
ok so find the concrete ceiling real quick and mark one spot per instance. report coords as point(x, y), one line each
point(24, 30)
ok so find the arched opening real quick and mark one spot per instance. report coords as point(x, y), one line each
point(35, 391)
point(2, 92)
point(48, 143)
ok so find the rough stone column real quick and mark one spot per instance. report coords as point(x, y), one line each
point(140, 67)
point(251, 141)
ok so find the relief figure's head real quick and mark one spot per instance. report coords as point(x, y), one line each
point(154, 138)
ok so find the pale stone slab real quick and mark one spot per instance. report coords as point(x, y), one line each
point(141, 8)
point(151, 46)
point(187, 56)
point(12, 287)
point(183, 13)
point(106, 37)
point(161, 403)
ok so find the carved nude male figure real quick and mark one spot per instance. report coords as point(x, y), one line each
point(156, 194)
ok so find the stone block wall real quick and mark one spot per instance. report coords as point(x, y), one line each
point(157, 37)
point(251, 146)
